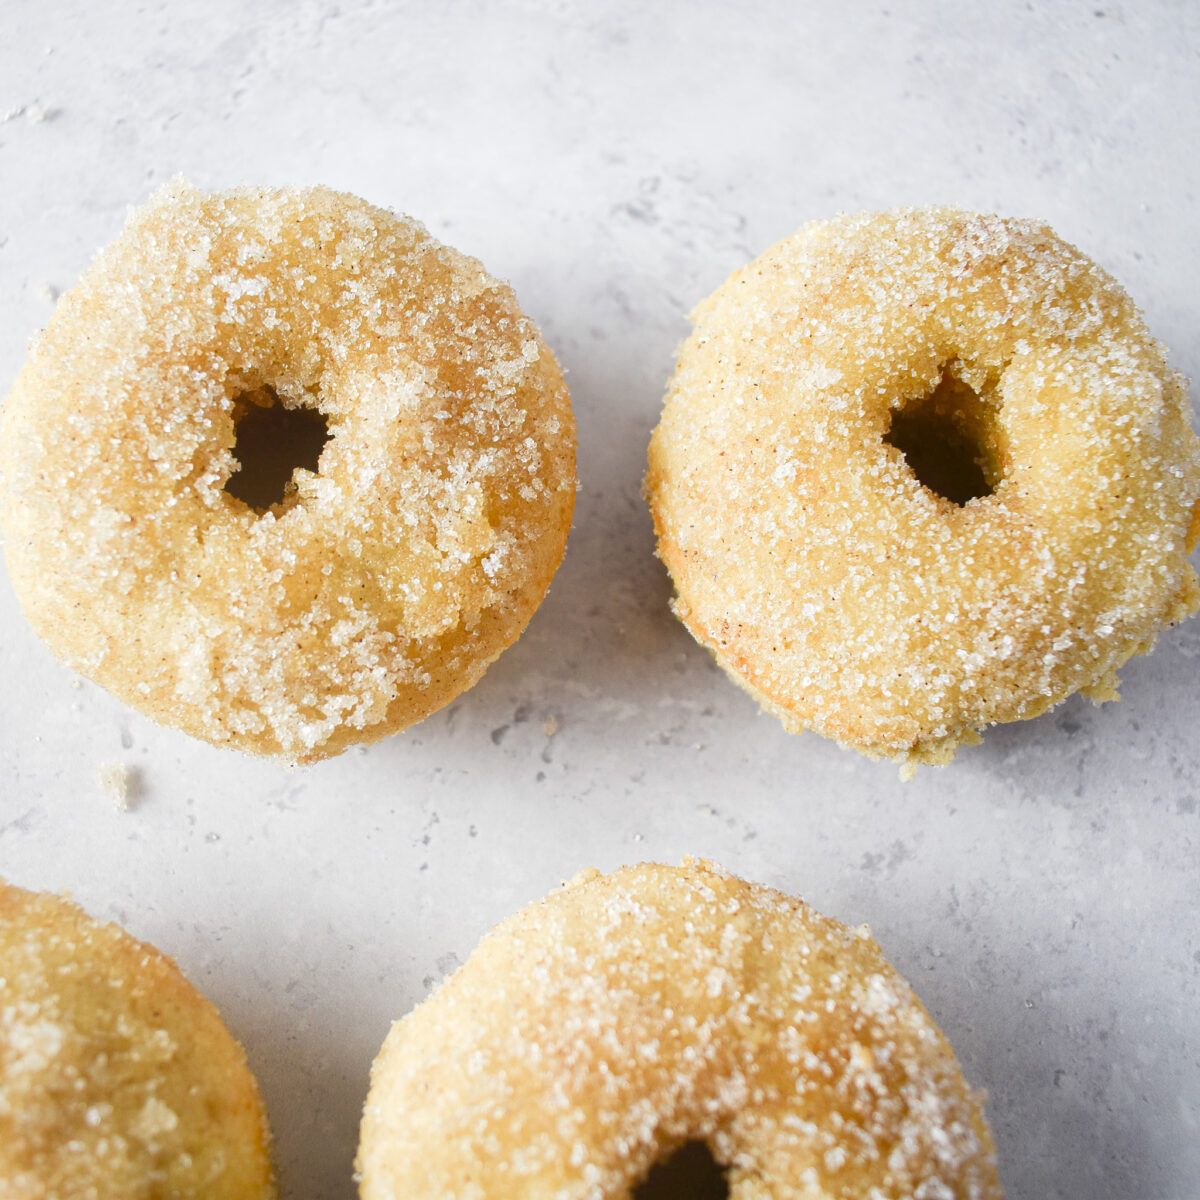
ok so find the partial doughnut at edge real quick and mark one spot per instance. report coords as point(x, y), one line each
point(598, 1030)
point(117, 1078)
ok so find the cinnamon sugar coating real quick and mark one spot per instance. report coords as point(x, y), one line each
point(601, 1028)
point(808, 556)
point(383, 583)
point(117, 1078)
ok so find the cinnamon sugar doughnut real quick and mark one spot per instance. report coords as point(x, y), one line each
point(625, 1015)
point(117, 1078)
point(401, 558)
point(922, 471)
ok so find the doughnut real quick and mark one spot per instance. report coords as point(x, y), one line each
point(285, 608)
point(117, 1078)
point(628, 1015)
point(922, 471)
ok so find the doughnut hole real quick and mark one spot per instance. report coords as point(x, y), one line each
point(273, 440)
point(690, 1171)
point(950, 438)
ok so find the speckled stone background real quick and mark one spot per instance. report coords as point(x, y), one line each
point(615, 161)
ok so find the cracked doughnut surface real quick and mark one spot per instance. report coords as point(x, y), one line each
point(382, 583)
point(812, 559)
point(117, 1078)
point(624, 1015)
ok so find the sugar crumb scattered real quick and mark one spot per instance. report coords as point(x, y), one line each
point(115, 781)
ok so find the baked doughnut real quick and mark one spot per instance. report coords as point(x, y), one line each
point(922, 471)
point(626, 1015)
point(117, 1078)
point(339, 601)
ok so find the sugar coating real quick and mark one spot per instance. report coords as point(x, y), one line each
point(598, 1030)
point(386, 582)
point(117, 1078)
point(843, 594)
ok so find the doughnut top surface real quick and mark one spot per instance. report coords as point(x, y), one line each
point(117, 1078)
point(625, 1015)
point(831, 573)
point(385, 580)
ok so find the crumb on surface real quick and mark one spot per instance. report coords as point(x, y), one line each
point(114, 782)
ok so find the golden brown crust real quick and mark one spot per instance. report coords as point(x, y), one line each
point(388, 581)
point(599, 1029)
point(117, 1078)
point(827, 580)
